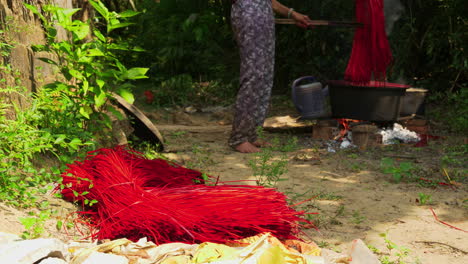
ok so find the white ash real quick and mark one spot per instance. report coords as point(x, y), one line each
point(346, 144)
point(398, 134)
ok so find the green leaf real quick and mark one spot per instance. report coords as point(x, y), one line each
point(85, 86)
point(117, 46)
point(100, 99)
point(100, 8)
point(119, 25)
point(95, 52)
point(406, 166)
point(59, 225)
point(80, 31)
point(68, 12)
point(35, 11)
point(86, 111)
point(138, 49)
point(135, 73)
point(99, 35)
point(121, 67)
point(127, 95)
point(60, 139)
point(74, 144)
point(129, 13)
point(65, 47)
point(27, 222)
point(47, 60)
point(52, 32)
point(76, 74)
point(100, 83)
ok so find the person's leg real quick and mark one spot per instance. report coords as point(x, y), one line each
point(253, 26)
point(265, 92)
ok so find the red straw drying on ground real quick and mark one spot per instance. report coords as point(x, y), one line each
point(138, 198)
point(371, 54)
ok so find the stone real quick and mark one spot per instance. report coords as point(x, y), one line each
point(31, 251)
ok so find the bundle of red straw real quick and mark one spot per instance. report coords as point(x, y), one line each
point(145, 172)
point(371, 54)
point(139, 198)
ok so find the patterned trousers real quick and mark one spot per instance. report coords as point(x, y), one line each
point(254, 29)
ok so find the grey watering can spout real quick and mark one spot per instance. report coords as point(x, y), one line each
point(309, 97)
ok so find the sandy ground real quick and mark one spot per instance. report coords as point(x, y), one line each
point(353, 198)
point(351, 195)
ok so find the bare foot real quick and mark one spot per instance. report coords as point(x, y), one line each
point(246, 147)
point(261, 144)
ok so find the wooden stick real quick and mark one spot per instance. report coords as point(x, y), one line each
point(288, 21)
point(440, 243)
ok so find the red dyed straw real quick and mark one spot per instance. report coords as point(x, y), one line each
point(371, 54)
point(137, 197)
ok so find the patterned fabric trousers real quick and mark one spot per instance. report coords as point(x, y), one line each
point(254, 29)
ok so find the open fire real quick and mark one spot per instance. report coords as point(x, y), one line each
point(364, 134)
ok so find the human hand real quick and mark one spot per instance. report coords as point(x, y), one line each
point(301, 20)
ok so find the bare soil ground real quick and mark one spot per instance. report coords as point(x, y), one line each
point(352, 196)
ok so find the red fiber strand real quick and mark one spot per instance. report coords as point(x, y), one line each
point(137, 197)
point(371, 54)
point(437, 219)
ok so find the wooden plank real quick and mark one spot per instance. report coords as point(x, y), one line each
point(150, 132)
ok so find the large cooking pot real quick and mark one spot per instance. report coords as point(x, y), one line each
point(375, 101)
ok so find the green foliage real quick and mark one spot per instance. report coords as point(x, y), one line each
point(268, 166)
point(21, 143)
point(399, 254)
point(451, 109)
point(24, 139)
point(189, 49)
point(91, 70)
point(424, 198)
point(67, 116)
point(35, 225)
point(357, 218)
point(201, 158)
point(404, 169)
point(429, 44)
point(322, 52)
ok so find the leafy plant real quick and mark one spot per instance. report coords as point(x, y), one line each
point(23, 140)
point(91, 70)
point(399, 254)
point(357, 217)
point(268, 167)
point(424, 198)
point(35, 225)
point(399, 171)
point(201, 158)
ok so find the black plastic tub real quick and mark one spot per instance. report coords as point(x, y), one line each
point(375, 101)
point(413, 102)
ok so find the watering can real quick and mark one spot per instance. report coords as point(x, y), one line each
point(309, 97)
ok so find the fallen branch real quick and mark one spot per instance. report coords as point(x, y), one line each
point(440, 243)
